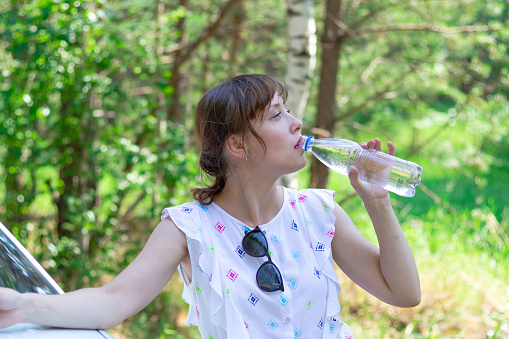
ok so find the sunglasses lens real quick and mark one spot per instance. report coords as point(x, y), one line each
point(269, 278)
point(255, 244)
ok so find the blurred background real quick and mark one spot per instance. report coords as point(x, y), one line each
point(96, 135)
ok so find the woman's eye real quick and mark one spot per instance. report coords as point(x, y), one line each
point(279, 114)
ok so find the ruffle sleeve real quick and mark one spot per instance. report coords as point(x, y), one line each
point(205, 271)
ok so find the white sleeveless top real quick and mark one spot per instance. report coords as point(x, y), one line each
point(224, 299)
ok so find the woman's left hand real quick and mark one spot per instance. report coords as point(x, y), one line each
point(366, 190)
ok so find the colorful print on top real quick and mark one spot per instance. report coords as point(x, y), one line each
point(225, 300)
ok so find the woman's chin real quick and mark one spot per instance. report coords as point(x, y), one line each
point(300, 165)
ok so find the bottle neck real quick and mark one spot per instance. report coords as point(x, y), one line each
point(306, 142)
point(309, 143)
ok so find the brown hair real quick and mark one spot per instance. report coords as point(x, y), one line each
point(229, 109)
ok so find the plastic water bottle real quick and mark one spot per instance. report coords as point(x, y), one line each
point(391, 173)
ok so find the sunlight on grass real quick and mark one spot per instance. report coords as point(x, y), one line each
point(460, 299)
point(464, 295)
point(461, 258)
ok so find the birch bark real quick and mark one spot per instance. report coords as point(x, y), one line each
point(301, 54)
point(301, 61)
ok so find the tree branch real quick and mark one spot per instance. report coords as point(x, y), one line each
point(344, 28)
point(373, 12)
point(54, 193)
point(437, 199)
point(446, 124)
point(349, 196)
point(375, 97)
point(430, 28)
point(131, 208)
point(386, 93)
point(210, 31)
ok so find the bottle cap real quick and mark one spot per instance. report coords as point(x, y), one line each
point(308, 140)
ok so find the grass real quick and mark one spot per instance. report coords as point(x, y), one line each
point(461, 256)
point(463, 296)
point(461, 252)
point(463, 275)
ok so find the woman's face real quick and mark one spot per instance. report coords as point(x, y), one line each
point(281, 132)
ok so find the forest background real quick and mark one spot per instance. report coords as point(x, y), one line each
point(96, 134)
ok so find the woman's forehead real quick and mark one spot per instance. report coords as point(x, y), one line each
point(277, 101)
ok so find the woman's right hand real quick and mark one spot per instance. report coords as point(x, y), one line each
point(10, 314)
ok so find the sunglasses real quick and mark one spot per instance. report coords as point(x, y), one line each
point(268, 277)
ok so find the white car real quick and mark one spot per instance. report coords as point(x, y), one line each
point(20, 271)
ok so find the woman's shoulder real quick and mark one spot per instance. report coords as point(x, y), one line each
point(315, 205)
point(189, 216)
point(310, 195)
point(187, 208)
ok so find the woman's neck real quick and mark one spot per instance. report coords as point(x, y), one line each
point(250, 202)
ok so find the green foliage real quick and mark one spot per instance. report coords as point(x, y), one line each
point(89, 158)
point(81, 155)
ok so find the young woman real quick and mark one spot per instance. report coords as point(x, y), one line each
point(256, 258)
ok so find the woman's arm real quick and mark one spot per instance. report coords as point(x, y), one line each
point(106, 306)
point(388, 271)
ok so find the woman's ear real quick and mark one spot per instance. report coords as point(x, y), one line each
point(235, 146)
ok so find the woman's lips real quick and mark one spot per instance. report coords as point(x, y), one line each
point(298, 144)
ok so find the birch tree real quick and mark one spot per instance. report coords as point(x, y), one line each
point(301, 61)
point(301, 54)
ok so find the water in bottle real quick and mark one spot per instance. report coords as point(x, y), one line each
point(393, 174)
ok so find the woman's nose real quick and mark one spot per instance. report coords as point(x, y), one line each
point(297, 125)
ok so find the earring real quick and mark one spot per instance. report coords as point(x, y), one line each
point(245, 157)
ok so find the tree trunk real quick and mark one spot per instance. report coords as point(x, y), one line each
point(71, 156)
point(174, 109)
point(301, 54)
point(12, 185)
point(331, 46)
point(239, 14)
point(301, 62)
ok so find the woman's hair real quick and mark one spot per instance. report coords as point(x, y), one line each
point(229, 109)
